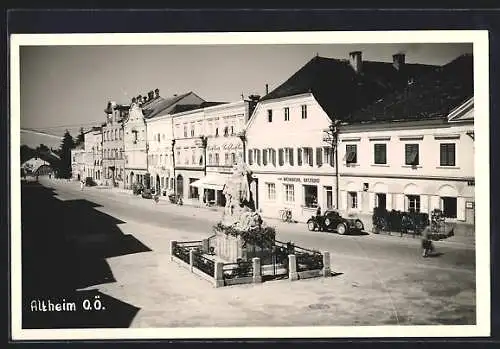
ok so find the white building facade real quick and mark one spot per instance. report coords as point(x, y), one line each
point(93, 154)
point(416, 165)
point(291, 163)
point(78, 163)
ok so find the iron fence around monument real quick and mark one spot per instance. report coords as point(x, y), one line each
point(204, 264)
point(191, 244)
point(237, 270)
point(181, 252)
point(307, 259)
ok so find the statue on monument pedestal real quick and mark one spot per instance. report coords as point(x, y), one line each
point(238, 211)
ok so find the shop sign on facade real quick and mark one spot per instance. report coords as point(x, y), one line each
point(298, 179)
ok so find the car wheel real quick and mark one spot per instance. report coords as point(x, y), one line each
point(359, 225)
point(341, 228)
point(311, 225)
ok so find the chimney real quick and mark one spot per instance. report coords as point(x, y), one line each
point(398, 60)
point(151, 95)
point(267, 89)
point(157, 93)
point(355, 60)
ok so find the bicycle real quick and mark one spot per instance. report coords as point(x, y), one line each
point(286, 215)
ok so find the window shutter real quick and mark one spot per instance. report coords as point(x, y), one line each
point(311, 160)
point(257, 155)
point(273, 152)
point(290, 154)
point(319, 156)
point(280, 156)
point(299, 156)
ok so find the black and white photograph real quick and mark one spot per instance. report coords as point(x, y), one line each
point(250, 185)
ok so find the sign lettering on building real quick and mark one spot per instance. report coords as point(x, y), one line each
point(226, 147)
point(298, 179)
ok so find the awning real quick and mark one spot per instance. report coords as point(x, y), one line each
point(215, 181)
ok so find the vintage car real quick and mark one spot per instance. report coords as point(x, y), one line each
point(331, 220)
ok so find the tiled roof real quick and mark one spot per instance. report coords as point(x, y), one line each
point(433, 95)
point(339, 89)
point(179, 108)
point(154, 107)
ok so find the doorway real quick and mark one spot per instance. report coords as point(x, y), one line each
point(157, 190)
point(449, 205)
point(180, 186)
point(381, 200)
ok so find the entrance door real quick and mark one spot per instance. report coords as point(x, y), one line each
point(381, 200)
point(180, 185)
point(329, 197)
point(449, 205)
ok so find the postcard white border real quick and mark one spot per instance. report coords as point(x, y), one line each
point(479, 38)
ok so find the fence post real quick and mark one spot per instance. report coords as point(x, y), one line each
point(191, 259)
point(326, 264)
point(205, 247)
point(292, 268)
point(219, 274)
point(257, 277)
point(173, 243)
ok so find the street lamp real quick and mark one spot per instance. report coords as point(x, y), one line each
point(331, 137)
point(204, 141)
point(243, 138)
point(173, 167)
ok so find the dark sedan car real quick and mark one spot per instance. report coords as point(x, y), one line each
point(332, 221)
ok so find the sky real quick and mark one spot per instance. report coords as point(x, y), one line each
point(68, 87)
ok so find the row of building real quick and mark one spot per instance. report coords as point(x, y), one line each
point(345, 134)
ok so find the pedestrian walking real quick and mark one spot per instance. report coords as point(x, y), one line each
point(82, 184)
point(427, 245)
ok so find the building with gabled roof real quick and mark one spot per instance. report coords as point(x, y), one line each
point(414, 148)
point(288, 150)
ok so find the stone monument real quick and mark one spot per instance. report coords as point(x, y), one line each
point(241, 228)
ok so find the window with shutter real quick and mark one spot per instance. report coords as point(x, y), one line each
point(257, 156)
point(250, 157)
point(447, 154)
point(351, 154)
point(290, 151)
point(280, 156)
point(264, 157)
point(319, 156)
point(299, 156)
point(273, 152)
point(380, 153)
point(411, 154)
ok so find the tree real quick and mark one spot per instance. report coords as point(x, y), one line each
point(80, 139)
point(26, 153)
point(68, 143)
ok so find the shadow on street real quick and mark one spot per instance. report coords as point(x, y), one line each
point(64, 248)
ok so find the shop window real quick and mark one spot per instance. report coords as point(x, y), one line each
point(380, 154)
point(351, 154)
point(311, 195)
point(447, 154)
point(352, 199)
point(411, 154)
point(271, 191)
point(413, 203)
point(289, 192)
